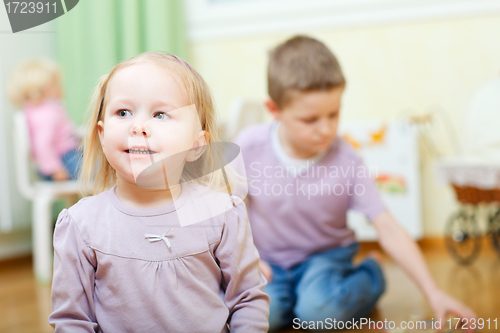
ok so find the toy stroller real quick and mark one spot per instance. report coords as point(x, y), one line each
point(475, 177)
point(462, 235)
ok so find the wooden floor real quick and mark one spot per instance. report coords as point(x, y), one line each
point(25, 306)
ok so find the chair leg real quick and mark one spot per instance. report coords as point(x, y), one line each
point(42, 237)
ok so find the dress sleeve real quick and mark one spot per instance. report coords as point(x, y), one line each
point(365, 197)
point(73, 280)
point(242, 280)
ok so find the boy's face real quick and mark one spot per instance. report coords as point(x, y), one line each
point(309, 121)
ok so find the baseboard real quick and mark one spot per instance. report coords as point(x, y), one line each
point(16, 262)
point(15, 244)
point(428, 244)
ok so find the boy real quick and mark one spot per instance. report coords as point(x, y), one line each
point(302, 180)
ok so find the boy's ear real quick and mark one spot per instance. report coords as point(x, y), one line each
point(272, 107)
point(199, 147)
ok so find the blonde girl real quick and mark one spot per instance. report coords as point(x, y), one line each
point(149, 252)
point(35, 87)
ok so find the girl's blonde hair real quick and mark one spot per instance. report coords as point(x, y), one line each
point(97, 175)
point(30, 81)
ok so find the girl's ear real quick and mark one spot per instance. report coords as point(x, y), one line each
point(199, 146)
point(100, 130)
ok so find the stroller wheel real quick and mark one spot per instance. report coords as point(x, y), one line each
point(462, 237)
point(494, 230)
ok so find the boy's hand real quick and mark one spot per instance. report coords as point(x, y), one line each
point(443, 304)
point(266, 270)
point(60, 175)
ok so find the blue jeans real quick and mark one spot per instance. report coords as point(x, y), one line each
point(72, 161)
point(325, 285)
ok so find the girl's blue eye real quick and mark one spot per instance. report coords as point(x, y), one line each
point(124, 113)
point(162, 116)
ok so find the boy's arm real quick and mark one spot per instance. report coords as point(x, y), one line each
point(404, 251)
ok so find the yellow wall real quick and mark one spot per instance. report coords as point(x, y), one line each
point(390, 69)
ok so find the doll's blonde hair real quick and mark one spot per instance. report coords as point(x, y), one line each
point(97, 175)
point(30, 81)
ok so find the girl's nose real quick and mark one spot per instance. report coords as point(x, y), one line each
point(140, 129)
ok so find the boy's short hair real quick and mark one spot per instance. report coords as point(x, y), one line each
point(301, 64)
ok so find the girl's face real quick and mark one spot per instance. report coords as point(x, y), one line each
point(54, 90)
point(147, 118)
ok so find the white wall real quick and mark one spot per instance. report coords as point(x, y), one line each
point(407, 64)
point(15, 212)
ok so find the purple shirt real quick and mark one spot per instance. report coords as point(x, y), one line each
point(294, 217)
point(51, 134)
point(108, 277)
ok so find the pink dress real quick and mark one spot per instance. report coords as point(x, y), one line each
point(122, 269)
point(51, 134)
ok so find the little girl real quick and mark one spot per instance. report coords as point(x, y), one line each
point(35, 87)
point(150, 252)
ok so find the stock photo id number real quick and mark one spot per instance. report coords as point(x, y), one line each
point(24, 15)
point(469, 324)
point(30, 7)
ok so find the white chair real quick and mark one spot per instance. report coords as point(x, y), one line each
point(244, 112)
point(43, 194)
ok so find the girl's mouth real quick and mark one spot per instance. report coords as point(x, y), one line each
point(139, 151)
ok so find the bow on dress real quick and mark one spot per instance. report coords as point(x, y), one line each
point(156, 238)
